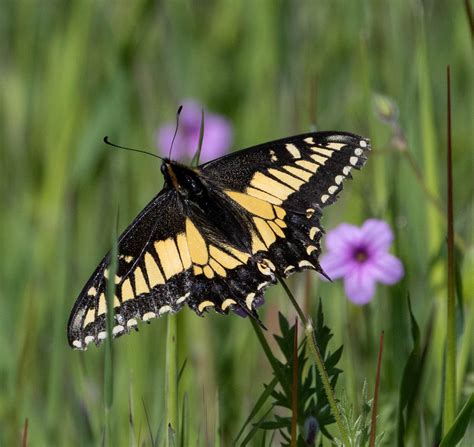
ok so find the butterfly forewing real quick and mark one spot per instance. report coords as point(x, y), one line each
point(258, 219)
point(152, 250)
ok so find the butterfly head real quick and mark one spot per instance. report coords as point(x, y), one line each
point(186, 181)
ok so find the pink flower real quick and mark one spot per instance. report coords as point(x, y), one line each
point(217, 134)
point(360, 256)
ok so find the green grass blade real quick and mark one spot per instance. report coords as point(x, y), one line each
point(257, 407)
point(456, 432)
point(171, 386)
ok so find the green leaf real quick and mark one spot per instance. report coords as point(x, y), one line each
point(457, 430)
point(311, 396)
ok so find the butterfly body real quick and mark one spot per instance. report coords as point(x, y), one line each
point(218, 235)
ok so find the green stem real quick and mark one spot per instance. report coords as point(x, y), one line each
point(319, 362)
point(294, 302)
point(294, 390)
point(108, 352)
point(171, 381)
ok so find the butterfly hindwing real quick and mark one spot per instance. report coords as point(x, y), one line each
point(256, 218)
point(168, 257)
point(293, 179)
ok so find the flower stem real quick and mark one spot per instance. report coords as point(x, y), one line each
point(294, 302)
point(294, 389)
point(319, 362)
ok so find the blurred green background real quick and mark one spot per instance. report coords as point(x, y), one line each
point(72, 72)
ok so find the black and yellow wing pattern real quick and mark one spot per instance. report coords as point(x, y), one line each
point(217, 235)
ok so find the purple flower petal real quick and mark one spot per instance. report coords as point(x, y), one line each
point(342, 238)
point(377, 235)
point(359, 255)
point(387, 268)
point(165, 137)
point(359, 286)
point(190, 116)
point(336, 265)
point(217, 137)
point(216, 140)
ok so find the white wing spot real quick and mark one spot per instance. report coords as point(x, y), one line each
point(332, 189)
point(249, 300)
point(363, 143)
point(148, 316)
point(346, 170)
point(227, 302)
point(118, 329)
point(77, 344)
point(132, 322)
point(310, 249)
point(324, 198)
point(353, 161)
point(102, 335)
point(306, 264)
point(164, 309)
point(312, 232)
point(358, 151)
point(266, 267)
point(339, 179)
point(289, 269)
point(88, 340)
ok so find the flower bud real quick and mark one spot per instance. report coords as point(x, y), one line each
point(310, 430)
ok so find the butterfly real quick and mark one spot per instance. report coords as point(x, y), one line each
point(217, 235)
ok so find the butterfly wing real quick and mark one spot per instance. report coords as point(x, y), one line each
point(171, 255)
point(143, 289)
point(284, 185)
point(259, 220)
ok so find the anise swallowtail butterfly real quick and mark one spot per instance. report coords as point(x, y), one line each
point(217, 235)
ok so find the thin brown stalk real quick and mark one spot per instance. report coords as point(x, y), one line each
point(450, 378)
point(24, 437)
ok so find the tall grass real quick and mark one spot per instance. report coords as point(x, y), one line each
point(74, 72)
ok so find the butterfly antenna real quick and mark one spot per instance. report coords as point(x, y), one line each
point(106, 141)
point(176, 129)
